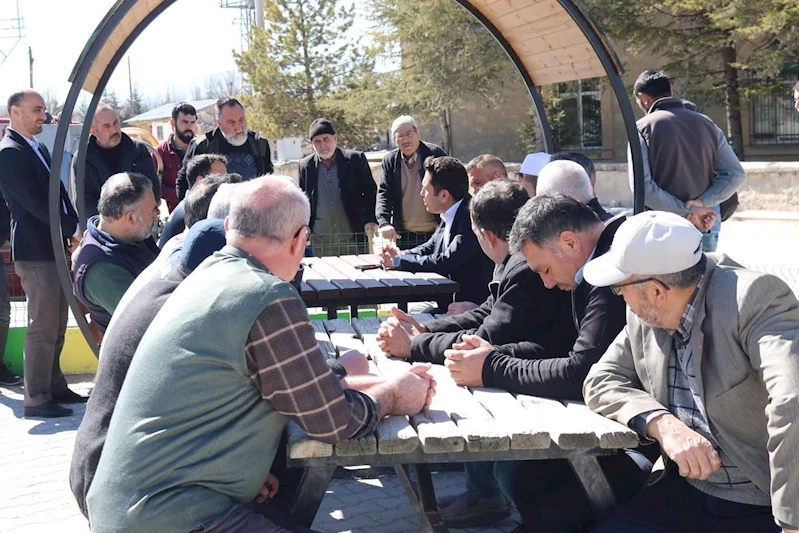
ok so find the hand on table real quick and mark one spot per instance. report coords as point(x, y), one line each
point(388, 232)
point(387, 255)
point(413, 390)
point(268, 490)
point(693, 453)
point(456, 308)
point(354, 362)
point(465, 360)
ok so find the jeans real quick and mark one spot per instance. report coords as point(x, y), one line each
point(710, 240)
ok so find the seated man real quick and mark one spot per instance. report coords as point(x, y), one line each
point(707, 367)
point(557, 235)
point(231, 356)
point(453, 250)
point(570, 179)
point(530, 168)
point(198, 168)
point(117, 246)
point(483, 169)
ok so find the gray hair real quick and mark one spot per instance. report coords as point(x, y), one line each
point(272, 207)
point(566, 178)
point(544, 218)
point(404, 120)
point(120, 192)
point(490, 162)
point(220, 203)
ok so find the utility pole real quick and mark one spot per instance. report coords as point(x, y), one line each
point(259, 13)
point(30, 65)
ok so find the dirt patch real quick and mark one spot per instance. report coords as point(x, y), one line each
point(785, 200)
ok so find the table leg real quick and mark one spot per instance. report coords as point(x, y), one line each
point(332, 312)
point(353, 311)
point(422, 497)
point(309, 496)
point(594, 482)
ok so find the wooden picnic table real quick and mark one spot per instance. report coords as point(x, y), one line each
point(334, 282)
point(462, 425)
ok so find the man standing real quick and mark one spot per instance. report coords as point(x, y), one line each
point(453, 250)
point(708, 367)
point(24, 182)
point(246, 151)
point(689, 167)
point(117, 246)
point(400, 211)
point(109, 152)
point(341, 189)
point(231, 357)
point(482, 169)
point(173, 149)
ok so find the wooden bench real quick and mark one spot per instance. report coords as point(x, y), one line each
point(462, 425)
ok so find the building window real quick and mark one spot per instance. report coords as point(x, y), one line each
point(159, 133)
point(774, 120)
point(578, 116)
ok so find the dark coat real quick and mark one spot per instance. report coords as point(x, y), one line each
point(25, 183)
point(519, 308)
point(530, 368)
point(388, 208)
point(135, 158)
point(214, 142)
point(356, 185)
point(462, 261)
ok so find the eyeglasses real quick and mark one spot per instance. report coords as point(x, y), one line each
point(301, 228)
point(615, 288)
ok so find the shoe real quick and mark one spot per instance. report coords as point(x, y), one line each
point(467, 511)
point(69, 396)
point(47, 410)
point(8, 378)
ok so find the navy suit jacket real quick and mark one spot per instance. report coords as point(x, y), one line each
point(462, 260)
point(24, 183)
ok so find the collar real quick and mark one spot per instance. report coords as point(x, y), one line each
point(410, 161)
point(449, 214)
point(32, 141)
point(667, 102)
point(173, 146)
point(578, 277)
point(683, 333)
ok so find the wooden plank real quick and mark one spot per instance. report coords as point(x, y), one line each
point(510, 414)
point(339, 325)
point(612, 435)
point(301, 446)
point(396, 435)
point(324, 289)
point(307, 292)
point(443, 285)
point(387, 366)
point(396, 286)
point(526, 14)
point(348, 287)
point(478, 427)
point(354, 447)
point(568, 429)
point(343, 336)
point(437, 432)
point(371, 287)
point(419, 285)
point(328, 349)
point(365, 326)
point(422, 317)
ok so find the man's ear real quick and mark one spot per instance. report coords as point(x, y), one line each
point(490, 237)
point(570, 241)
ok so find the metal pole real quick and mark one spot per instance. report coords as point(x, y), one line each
point(30, 65)
point(259, 13)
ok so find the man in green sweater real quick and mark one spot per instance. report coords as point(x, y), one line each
point(227, 361)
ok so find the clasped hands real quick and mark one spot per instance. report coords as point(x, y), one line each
point(700, 216)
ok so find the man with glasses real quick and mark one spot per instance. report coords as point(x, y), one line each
point(707, 367)
point(401, 214)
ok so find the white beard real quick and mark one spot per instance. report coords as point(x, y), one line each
point(235, 140)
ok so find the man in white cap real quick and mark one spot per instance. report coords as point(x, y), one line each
point(399, 207)
point(531, 168)
point(707, 366)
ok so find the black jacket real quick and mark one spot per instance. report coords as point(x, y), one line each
point(462, 261)
point(597, 208)
point(214, 142)
point(389, 192)
point(135, 157)
point(530, 368)
point(356, 185)
point(519, 308)
point(24, 183)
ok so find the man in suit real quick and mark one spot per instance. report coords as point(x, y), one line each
point(570, 179)
point(453, 250)
point(24, 182)
point(340, 187)
point(399, 209)
point(109, 152)
point(707, 367)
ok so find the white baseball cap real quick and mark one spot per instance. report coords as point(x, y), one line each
point(649, 243)
point(533, 163)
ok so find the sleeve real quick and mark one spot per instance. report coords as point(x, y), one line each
point(268, 167)
point(462, 248)
point(471, 319)
point(530, 368)
point(290, 371)
point(429, 347)
point(105, 284)
point(384, 203)
point(730, 175)
point(182, 182)
point(770, 335)
point(654, 197)
point(147, 168)
point(423, 249)
point(368, 190)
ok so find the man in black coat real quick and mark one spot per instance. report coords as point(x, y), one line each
point(24, 183)
point(247, 152)
point(339, 184)
point(453, 250)
point(109, 152)
point(400, 212)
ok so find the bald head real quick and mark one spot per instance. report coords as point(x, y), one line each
point(566, 178)
point(106, 127)
point(270, 207)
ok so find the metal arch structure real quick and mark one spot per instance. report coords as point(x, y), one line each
point(548, 41)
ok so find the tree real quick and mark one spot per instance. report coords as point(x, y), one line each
point(51, 101)
point(135, 104)
point(297, 63)
point(721, 49)
point(223, 84)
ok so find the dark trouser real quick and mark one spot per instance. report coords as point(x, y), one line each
point(5, 313)
point(550, 498)
point(240, 519)
point(673, 506)
point(47, 322)
point(412, 239)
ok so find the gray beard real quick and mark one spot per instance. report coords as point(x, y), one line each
point(235, 140)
